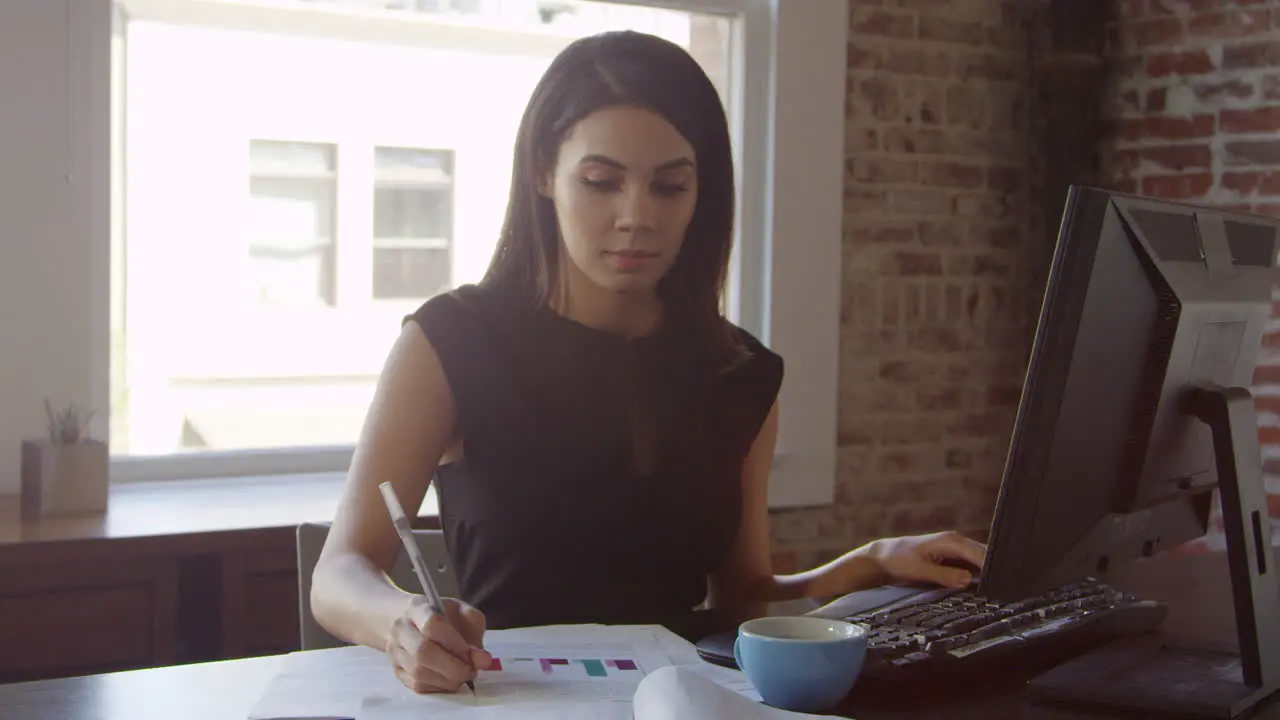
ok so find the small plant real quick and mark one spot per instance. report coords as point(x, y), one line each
point(69, 425)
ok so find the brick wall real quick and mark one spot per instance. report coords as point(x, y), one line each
point(939, 293)
point(1195, 108)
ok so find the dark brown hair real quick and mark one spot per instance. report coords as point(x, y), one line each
point(624, 68)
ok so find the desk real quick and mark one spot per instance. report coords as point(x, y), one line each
point(1196, 588)
point(173, 572)
point(228, 689)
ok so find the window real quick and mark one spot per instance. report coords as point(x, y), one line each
point(412, 222)
point(348, 172)
point(158, 316)
point(291, 226)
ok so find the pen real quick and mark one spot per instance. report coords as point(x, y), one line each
point(401, 522)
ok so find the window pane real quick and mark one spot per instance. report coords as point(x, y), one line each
point(409, 272)
point(408, 212)
point(309, 188)
point(291, 226)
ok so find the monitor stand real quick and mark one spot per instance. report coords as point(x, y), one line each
point(1147, 675)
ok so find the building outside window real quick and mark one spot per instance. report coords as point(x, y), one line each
point(296, 178)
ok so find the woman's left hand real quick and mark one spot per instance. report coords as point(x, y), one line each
point(920, 558)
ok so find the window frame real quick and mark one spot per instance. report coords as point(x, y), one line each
point(787, 267)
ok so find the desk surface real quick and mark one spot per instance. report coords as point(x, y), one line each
point(1196, 588)
point(229, 689)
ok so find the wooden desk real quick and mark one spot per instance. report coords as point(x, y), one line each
point(174, 572)
point(228, 690)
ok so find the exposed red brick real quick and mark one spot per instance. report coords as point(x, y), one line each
point(883, 23)
point(906, 371)
point(1166, 157)
point(883, 98)
point(1155, 32)
point(1252, 152)
point(917, 61)
point(1228, 23)
point(1267, 404)
point(998, 236)
point(1215, 92)
point(1242, 56)
point(1271, 87)
point(1271, 339)
point(878, 169)
point(1125, 185)
point(1273, 505)
point(944, 29)
point(1154, 8)
point(922, 201)
point(982, 205)
point(1181, 63)
point(1252, 182)
point(940, 234)
point(861, 57)
point(884, 232)
point(979, 265)
point(952, 174)
point(986, 66)
point(1165, 128)
point(1268, 209)
point(939, 399)
point(862, 140)
point(1251, 120)
point(863, 200)
point(1269, 435)
point(967, 107)
point(912, 264)
point(1178, 187)
point(1130, 101)
point(958, 459)
point(1006, 179)
point(897, 462)
point(1132, 9)
point(1267, 374)
point(1157, 100)
point(922, 519)
point(785, 563)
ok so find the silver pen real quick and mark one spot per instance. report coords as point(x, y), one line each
point(405, 531)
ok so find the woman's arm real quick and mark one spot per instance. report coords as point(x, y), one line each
point(409, 427)
point(745, 584)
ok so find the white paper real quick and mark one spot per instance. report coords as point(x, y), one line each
point(684, 655)
point(358, 682)
point(591, 670)
point(677, 693)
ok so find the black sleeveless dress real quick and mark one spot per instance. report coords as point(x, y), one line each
point(549, 517)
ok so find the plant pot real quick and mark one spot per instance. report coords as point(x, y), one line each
point(64, 479)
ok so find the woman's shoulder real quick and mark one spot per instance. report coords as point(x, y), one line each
point(757, 363)
point(467, 311)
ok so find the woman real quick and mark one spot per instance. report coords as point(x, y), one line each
point(600, 435)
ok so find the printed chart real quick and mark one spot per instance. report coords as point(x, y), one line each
point(582, 668)
point(579, 671)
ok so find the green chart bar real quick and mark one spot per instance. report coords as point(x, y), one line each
point(595, 668)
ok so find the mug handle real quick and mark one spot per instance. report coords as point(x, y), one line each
point(737, 655)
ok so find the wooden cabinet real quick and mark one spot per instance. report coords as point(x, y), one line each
point(173, 573)
point(260, 608)
point(79, 618)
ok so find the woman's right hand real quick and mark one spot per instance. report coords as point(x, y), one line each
point(437, 653)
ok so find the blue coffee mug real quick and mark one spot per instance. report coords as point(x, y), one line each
point(801, 663)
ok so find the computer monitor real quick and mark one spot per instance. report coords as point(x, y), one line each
point(1135, 407)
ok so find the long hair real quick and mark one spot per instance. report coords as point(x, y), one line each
point(635, 69)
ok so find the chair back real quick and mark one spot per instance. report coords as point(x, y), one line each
point(310, 540)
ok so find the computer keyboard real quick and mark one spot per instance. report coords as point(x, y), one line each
point(948, 631)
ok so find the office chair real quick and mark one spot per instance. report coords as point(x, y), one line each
point(310, 539)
